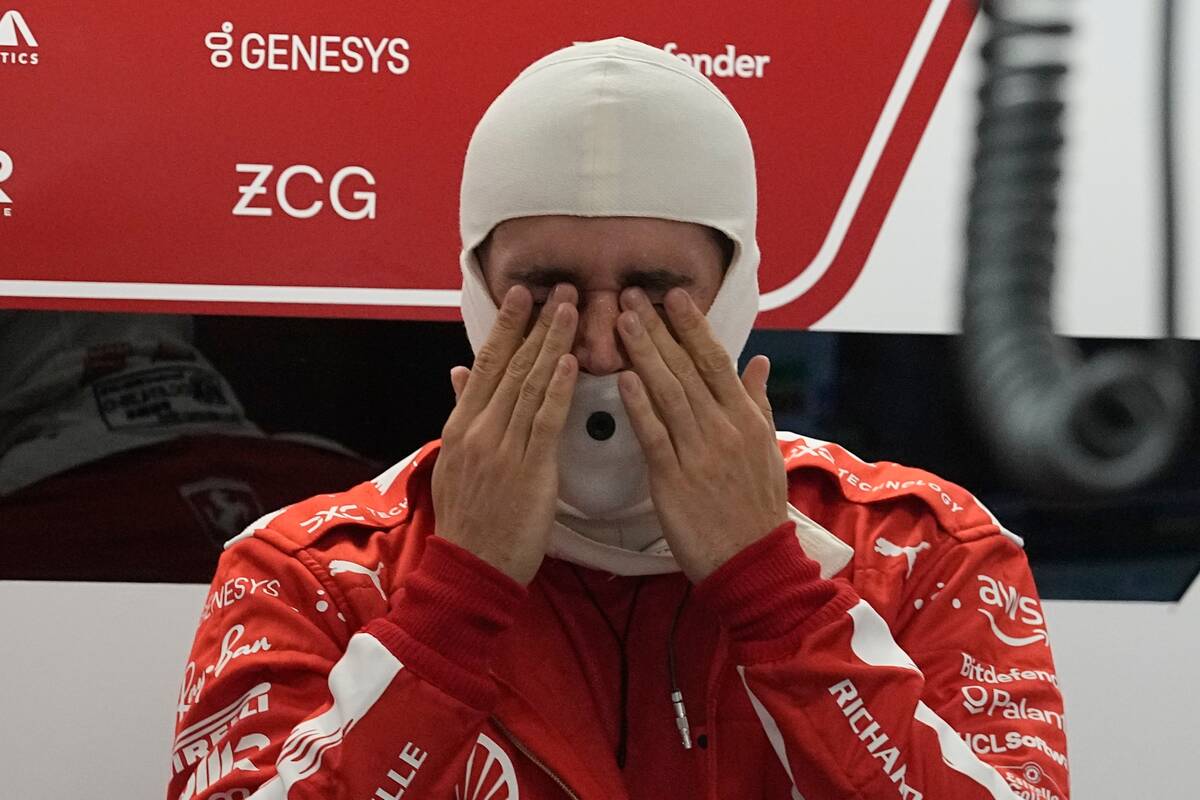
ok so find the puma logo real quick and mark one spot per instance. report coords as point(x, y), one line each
point(890, 549)
point(338, 567)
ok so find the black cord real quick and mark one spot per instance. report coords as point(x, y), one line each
point(678, 706)
point(1167, 155)
point(1058, 422)
point(671, 641)
point(623, 732)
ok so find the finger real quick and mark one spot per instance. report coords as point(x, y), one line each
point(527, 356)
point(497, 352)
point(672, 354)
point(664, 388)
point(531, 393)
point(458, 381)
point(650, 431)
point(548, 422)
point(712, 360)
point(754, 379)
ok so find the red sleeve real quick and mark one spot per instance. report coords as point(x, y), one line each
point(281, 698)
point(958, 698)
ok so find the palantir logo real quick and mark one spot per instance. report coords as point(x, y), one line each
point(15, 32)
point(1000, 703)
point(6, 170)
point(974, 699)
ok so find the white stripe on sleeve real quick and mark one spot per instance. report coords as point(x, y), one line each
point(873, 643)
point(961, 758)
point(774, 735)
point(356, 682)
point(872, 640)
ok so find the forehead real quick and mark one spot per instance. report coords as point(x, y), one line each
point(599, 248)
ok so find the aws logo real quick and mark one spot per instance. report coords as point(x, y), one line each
point(1023, 614)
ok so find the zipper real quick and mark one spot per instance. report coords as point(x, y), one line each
point(526, 752)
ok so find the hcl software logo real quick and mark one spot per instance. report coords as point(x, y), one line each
point(15, 32)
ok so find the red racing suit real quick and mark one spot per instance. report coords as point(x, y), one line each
point(347, 651)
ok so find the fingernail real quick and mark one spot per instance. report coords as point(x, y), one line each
point(677, 300)
point(564, 293)
point(516, 297)
point(633, 325)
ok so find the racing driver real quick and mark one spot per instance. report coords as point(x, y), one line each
point(612, 577)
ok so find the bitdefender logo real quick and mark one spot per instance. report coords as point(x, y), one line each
point(6, 170)
point(15, 33)
point(728, 64)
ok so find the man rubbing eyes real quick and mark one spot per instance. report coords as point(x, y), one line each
point(612, 577)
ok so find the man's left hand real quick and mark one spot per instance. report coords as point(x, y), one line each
point(716, 473)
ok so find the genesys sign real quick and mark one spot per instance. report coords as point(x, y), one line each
point(291, 52)
point(316, 160)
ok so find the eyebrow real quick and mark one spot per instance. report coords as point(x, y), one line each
point(651, 278)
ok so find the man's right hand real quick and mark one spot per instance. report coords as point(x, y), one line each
point(495, 483)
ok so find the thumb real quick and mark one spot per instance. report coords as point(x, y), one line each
point(754, 379)
point(458, 381)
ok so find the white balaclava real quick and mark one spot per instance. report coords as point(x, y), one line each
point(614, 128)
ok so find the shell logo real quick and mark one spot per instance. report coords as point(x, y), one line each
point(490, 774)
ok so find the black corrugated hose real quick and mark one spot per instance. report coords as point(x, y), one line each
point(1058, 422)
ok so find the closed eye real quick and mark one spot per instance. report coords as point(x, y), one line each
point(656, 282)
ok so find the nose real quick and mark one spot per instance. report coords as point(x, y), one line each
point(597, 344)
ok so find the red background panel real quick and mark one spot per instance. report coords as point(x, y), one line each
point(125, 137)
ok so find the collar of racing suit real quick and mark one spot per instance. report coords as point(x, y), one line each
point(635, 545)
